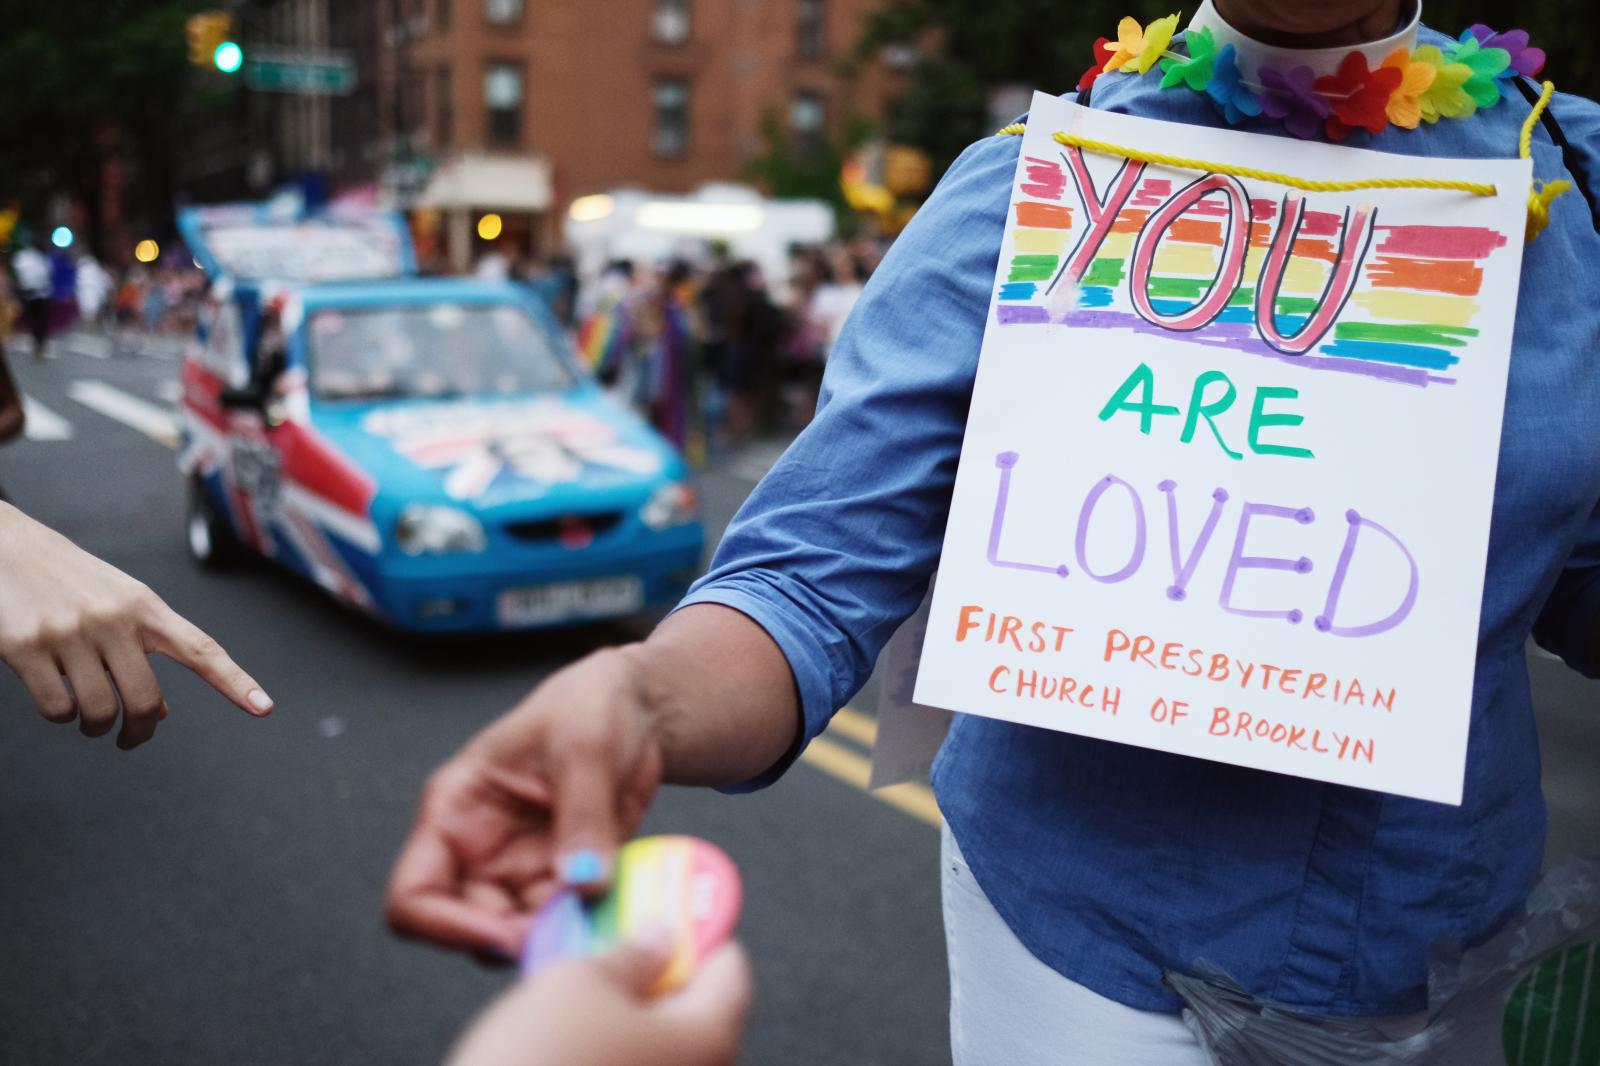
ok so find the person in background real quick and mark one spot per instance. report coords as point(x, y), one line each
point(554, 281)
point(129, 305)
point(836, 297)
point(805, 339)
point(13, 416)
point(155, 301)
point(669, 355)
point(63, 290)
point(754, 328)
point(92, 288)
point(492, 265)
point(1076, 873)
point(561, 286)
point(78, 632)
point(32, 268)
point(607, 334)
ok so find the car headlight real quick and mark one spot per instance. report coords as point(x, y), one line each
point(673, 504)
point(424, 529)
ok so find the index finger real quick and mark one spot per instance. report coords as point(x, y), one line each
point(182, 641)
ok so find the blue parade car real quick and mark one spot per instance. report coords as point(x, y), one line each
point(426, 449)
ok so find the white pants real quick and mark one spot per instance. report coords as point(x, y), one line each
point(1009, 1009)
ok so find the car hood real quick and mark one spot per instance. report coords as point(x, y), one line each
point(553, 450)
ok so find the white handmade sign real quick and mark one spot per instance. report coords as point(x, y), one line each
point(1228, 473)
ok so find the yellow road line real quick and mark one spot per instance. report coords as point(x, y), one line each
point(834, 758)
point(857, 726)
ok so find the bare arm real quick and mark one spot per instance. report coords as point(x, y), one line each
point(720, 694)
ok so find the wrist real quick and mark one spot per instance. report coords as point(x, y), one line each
point(646, 686)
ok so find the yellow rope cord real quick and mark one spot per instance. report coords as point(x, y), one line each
point(1542, 194)
point(1476, 188)
point(1525, 142)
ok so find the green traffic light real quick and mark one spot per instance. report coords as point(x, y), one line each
point(228, 57)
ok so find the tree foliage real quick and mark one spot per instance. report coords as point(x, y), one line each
point(966, 50)
point(77, 76)
point(787, 169)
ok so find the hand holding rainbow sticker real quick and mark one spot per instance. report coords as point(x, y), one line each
point(679, 883)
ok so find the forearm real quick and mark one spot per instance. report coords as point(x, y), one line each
point(720, 694)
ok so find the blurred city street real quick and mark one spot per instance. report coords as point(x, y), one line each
point(416, 349)
point(216, 896)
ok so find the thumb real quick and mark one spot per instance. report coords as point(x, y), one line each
point(638, 963)
point(706, 1018)
point(585, 820)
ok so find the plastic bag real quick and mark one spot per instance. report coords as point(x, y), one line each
point(1528, 997)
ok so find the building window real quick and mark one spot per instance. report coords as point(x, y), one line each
point(441, 14)
point(671, 138)
point(503, 12)
point(443, 109)
point(502, 97)
point(811, 29)
point(669, 23)
point(808, 115)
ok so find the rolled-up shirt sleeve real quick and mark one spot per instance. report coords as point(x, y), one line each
point(834, 548)
point(1569, 624)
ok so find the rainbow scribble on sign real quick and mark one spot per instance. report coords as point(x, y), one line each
point(1407, 320)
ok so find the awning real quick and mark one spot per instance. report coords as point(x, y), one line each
point(494, 182)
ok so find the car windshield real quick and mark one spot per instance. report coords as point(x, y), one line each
point(438, 350)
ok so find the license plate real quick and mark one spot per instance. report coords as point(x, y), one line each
point(570, 601)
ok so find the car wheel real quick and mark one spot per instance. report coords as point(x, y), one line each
point(210, 538)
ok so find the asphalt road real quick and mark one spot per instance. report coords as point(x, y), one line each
point(214, 897)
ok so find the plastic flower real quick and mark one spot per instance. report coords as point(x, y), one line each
point(1358, 95)
point(1293, 98)
point(1225, 88)
point(1138, 49)
point(1196, 69)
point(1486, 64)
point(1130, 43)
point(1415, 79)
point(1525, 59)
point(1157, 36)
point(1102, 52)
point(1445, 98)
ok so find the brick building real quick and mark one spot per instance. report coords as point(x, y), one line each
point(521, 106)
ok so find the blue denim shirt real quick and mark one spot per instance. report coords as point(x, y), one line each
point(1114, 863)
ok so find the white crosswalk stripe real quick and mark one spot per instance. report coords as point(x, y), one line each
point(43, 423)
point(90, 344)
point(154, 422)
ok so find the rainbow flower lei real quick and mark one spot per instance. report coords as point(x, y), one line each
point(1408, 88)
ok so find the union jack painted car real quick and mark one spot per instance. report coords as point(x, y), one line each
point(425, 449)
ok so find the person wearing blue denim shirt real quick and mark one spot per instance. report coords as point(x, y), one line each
point(1108, 865)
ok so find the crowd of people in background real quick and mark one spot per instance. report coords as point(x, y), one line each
point(712, 354)
point(50, 291)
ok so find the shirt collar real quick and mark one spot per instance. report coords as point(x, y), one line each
point(1252, 55)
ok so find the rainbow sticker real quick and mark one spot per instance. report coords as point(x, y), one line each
point(675, 882)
